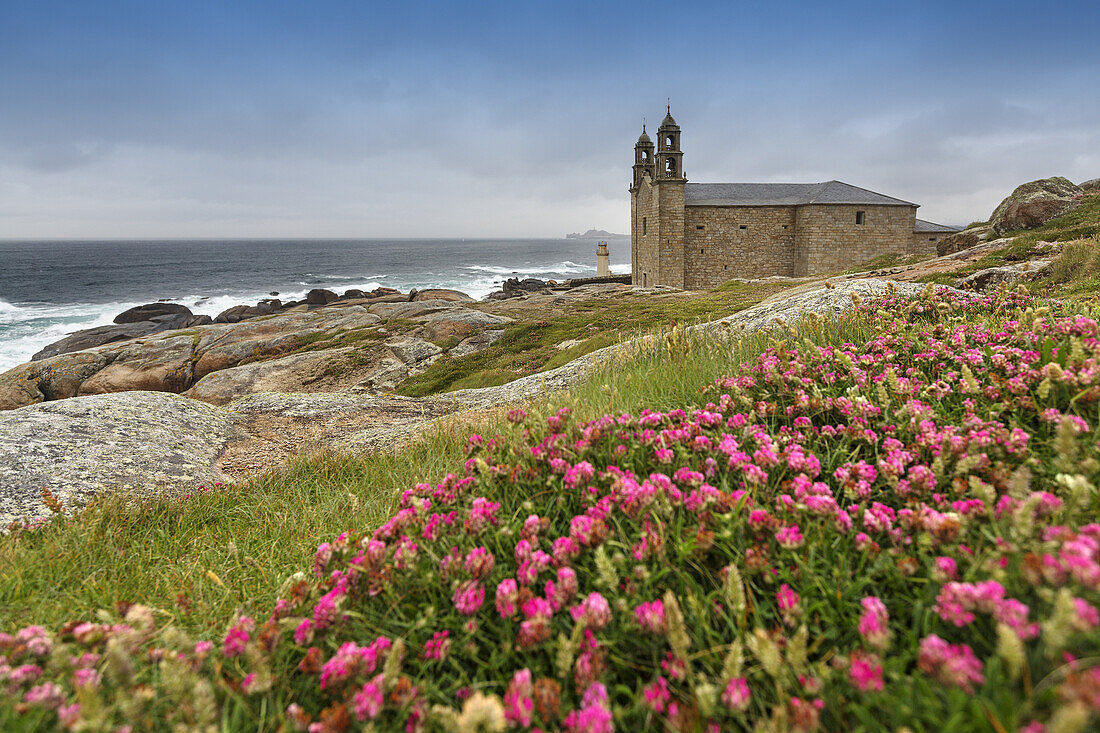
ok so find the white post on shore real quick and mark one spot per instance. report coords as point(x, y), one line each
point(603, 262)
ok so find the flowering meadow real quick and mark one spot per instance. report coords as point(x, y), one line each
point(899, 533)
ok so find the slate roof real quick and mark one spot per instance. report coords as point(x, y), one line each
point(923, 226)
point(783, 194)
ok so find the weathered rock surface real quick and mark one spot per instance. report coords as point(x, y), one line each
point(161, 365)
point(414, 352)
point(454, 296)
point(320, 296)
point(477, 342)
point(273, 375)
point(1091, 186)
point(387, 373)
point(146, 441)
point(410, 310)
point(1008, 274)
point(1035, 203)
point(963, 240)
point(172, 361)
point(151, 310)
point(460, 323)
point(89, 338)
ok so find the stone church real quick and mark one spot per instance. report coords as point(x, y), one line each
point(699, 235)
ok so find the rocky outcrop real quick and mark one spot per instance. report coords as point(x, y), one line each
point(477, 342)
point(172, 361)
point(160, 317)
point(288, 373)
point(152, 310)
point(963, 240)
point(1008, 274)
point(319, 296)
point(1035, 203)
point(1091, 187)
point(460, 323)
point(454, 296)
point(161, 365)
point(410, 310)
point(90, 338)
point(147, 441)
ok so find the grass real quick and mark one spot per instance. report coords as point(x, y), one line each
point(888, 260)
point(1076, 272)
point(530, 347)
point(228, 549)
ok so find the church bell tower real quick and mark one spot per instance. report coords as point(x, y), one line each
point(644, 161)
point(670, 159)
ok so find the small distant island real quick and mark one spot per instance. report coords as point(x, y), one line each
point(596, 234)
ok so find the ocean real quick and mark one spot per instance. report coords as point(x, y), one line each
point(51, 288)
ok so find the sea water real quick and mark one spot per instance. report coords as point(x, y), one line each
point(51, 288)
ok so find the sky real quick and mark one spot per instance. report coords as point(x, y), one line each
point(155, 119)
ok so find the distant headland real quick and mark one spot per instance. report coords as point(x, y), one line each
point(596, 234)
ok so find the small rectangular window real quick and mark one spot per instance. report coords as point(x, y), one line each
point(700, 251)
point(860, 215)
point(699, 227)
point(643, 226)
point(931, 239)
point(744, 226)
point(784, 226)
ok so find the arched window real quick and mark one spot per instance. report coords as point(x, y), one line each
point(645, 156)
point(670, 166)
point(668, 142)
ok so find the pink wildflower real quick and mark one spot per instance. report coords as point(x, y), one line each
point(507, 595)
point(651, 616)
point(593, 612)
point(519, 699)
point(790, 537)
point(468, 597)
point(736, 696)
point(873, 624)
point(368, 701)
point(865, 672)
point(951, 664)
point(237, 637)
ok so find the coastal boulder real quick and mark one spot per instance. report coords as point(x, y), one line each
point(147, 442)
point(1035, 203)
point(416, 353)
point(460, 323)
point(150, 311)
point(410, 310)
point(320, 296)
point(19, 387)
point(964, 239)
point(89, 338)
point(527, 285)
point(160, 365)
point(454, 296)
point(286, 374)
point(477, 342)
point(1008, 274)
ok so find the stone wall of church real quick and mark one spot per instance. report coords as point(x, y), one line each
point(670, 241)
point(723, 242)
point(828, 239)
point(924, 243)
point(644, 236)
